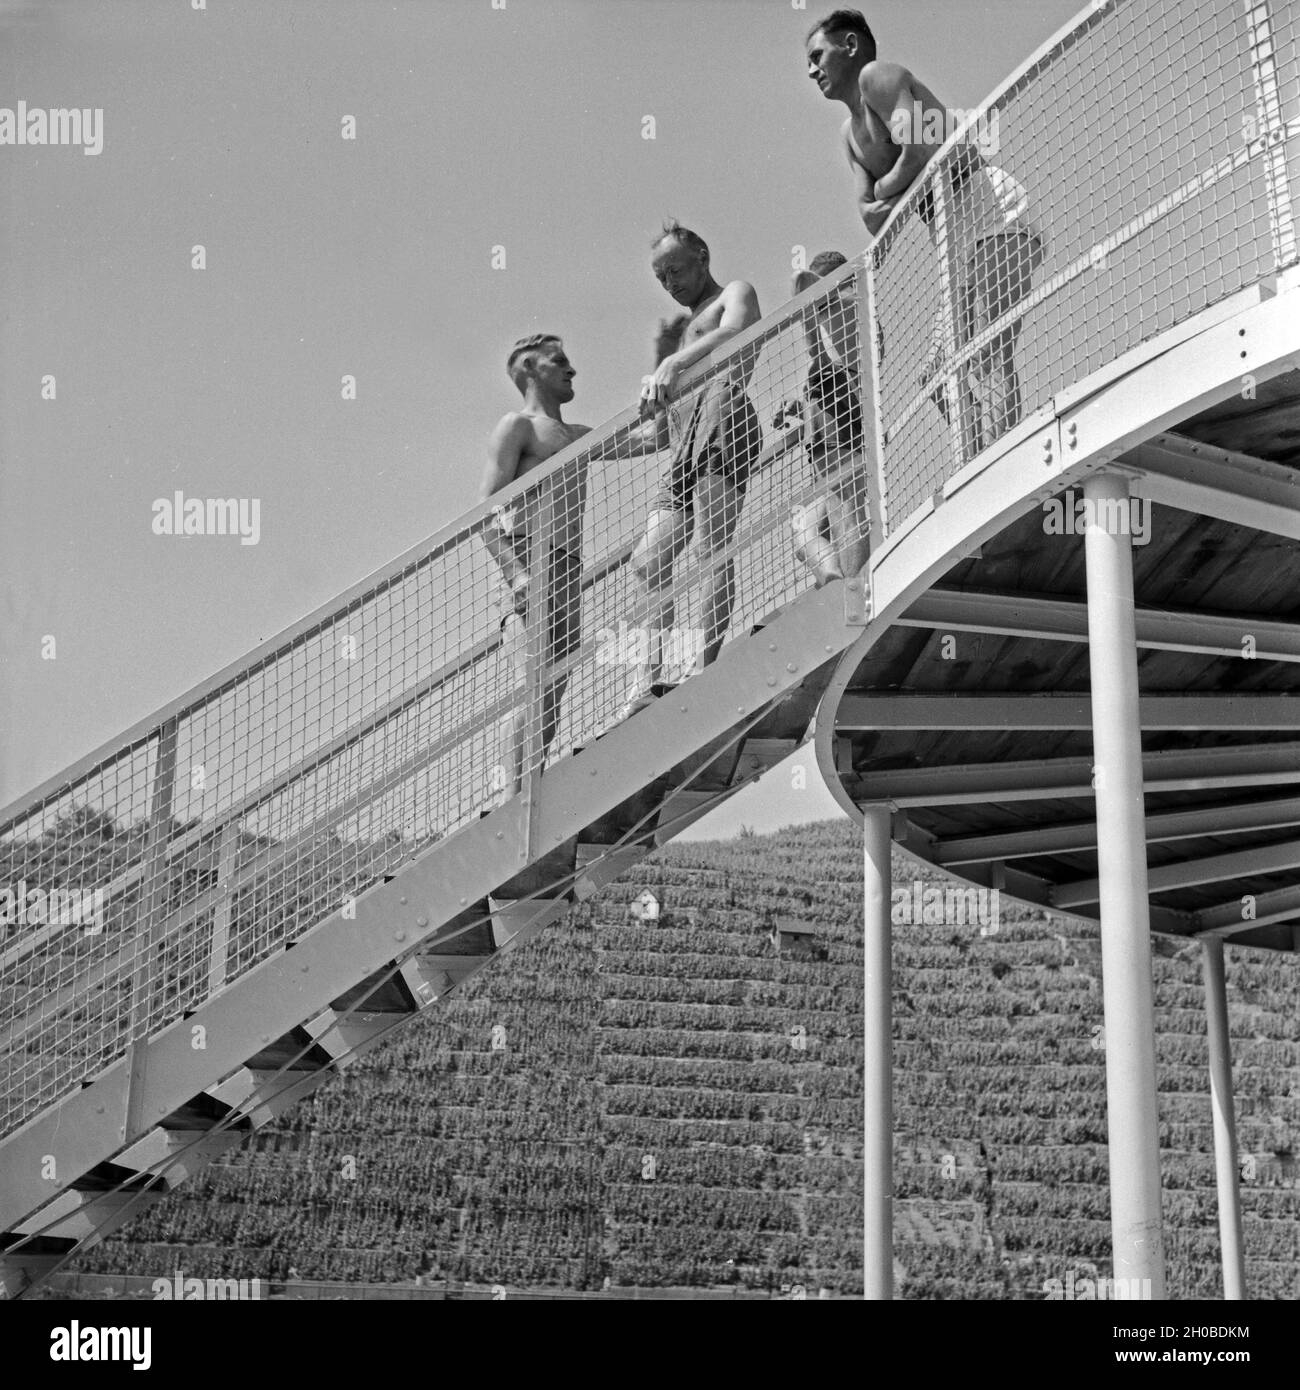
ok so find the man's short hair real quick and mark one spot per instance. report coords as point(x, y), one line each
point(826, 261)
point(845, 22)
point(693, 241)
point(520, 361)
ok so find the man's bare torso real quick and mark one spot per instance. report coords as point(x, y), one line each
point(704, 319)
point(547, 437)
point(871, 143)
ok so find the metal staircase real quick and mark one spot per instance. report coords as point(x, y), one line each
point(301, 854)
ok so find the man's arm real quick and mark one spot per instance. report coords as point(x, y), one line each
point(739, 310)
point(890, 91)
point(873, 211)
point(505, 449)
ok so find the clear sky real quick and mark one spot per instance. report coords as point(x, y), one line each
point(478, 125)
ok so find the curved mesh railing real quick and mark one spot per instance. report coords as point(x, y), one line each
point(229, 823)
point(226, 825)
point(1138, 169)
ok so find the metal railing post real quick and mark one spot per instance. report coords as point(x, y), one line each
point(1272, 132)
point(870, 358)
point(149, 912)
point(227, 858)
point(952, 378)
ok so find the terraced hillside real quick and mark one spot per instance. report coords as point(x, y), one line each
point(672, 1103)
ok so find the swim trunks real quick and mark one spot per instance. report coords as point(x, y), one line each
point(719, 434)
point(563, 585)
point(837, 421)
point(985, 202)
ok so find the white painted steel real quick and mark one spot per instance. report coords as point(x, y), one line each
point(878, 1082)
point(1225, 1120)
point(1131, 1113)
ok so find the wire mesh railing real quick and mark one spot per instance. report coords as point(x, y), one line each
point(249, 810)
point(1135, 171)
point(1127, 190)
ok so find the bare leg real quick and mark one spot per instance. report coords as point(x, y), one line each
point(1001, 273)
point(809, 524)
point(850, 521)
point(559, 620)
point(717, 507)
point(652, 563)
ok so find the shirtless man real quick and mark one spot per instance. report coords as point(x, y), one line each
point(545, 587)
point(715, 439)
point(994, 243)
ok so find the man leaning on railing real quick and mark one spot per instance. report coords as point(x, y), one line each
point(895, 125)
point(716, 439)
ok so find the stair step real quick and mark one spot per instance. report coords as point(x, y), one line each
point(468, 933)
point(429, 977)
point(285, 1052)
point(598, 865)
point(348, 1036)
point(515, 922)
point(680, 810)
point(263, 1095)
point(179, 1152)
point(80, 1215)
point(385, 998)
point(543, 874)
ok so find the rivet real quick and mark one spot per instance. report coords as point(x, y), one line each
point(99, 1110)
point(790, 666)
point(500, 835)
point(402, 901)
point(771, 646)
point(463, 901)
point(305, 969)
point(399, 936)
point(771, 680)
point(682, 708)
point(421, 921)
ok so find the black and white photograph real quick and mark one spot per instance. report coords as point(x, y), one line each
point(650, 650)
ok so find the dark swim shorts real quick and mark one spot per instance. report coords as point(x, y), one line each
point(721, 434)
point(837, 422)
point(562, 586)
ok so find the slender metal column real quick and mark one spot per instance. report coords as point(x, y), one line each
point(1136, 1235)
point(1225, 1120)
point(878, 1130)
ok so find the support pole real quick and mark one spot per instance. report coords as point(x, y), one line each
point(1134, 1147)
point(1225, 1122)
point(878, 1129)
